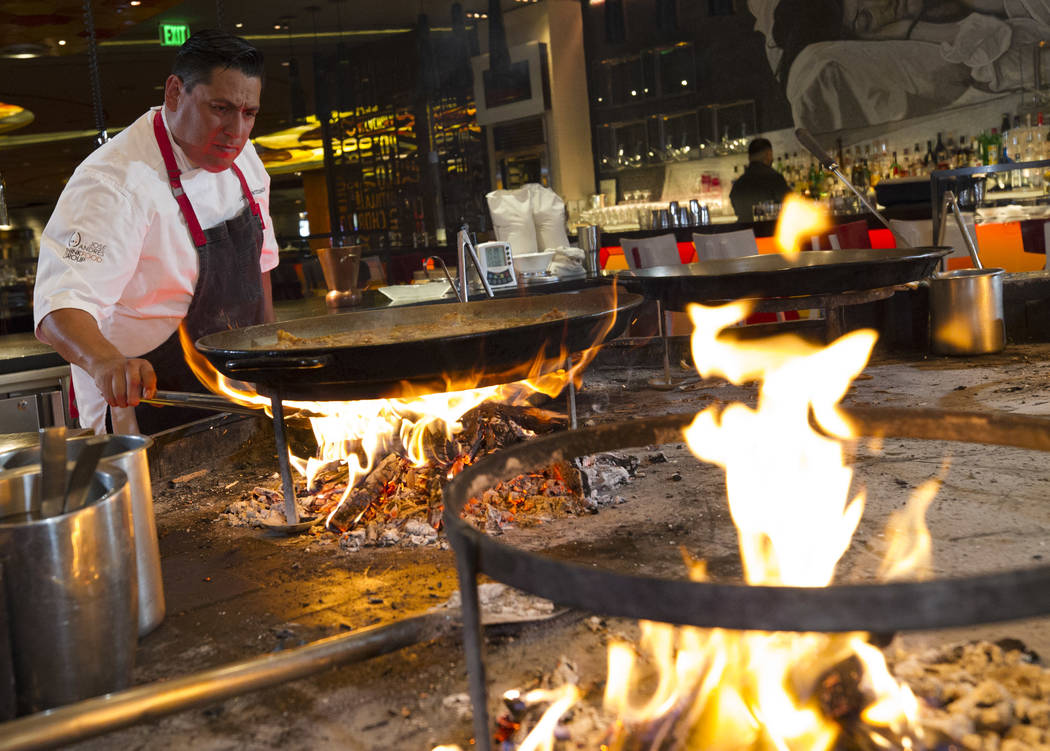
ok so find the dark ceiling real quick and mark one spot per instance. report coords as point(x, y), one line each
point(56, 86)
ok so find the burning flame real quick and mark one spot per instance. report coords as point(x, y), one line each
point(788, 484)
point(357, 432)
point(798, 218)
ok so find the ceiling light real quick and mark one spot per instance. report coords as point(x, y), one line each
point(135, 3)
point(238, 25)
point(24, 51)
point(61, 42)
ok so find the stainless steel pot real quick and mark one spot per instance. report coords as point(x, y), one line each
point(966, 312)
point(128, 454)
point(69, 590)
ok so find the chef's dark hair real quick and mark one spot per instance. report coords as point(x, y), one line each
point(800, 23)
point(208, 49)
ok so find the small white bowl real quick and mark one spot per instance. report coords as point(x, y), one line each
point(533, 263)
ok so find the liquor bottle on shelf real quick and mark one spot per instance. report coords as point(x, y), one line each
point(905, 165)
point(895, 168)
point(941, 158)
point(929, 162)
point(959, 157)
point(992, 147)
point(1016, 151)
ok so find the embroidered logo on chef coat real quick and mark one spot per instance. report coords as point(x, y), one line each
point(79, 250)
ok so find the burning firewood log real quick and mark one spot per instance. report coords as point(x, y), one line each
point(395, 491)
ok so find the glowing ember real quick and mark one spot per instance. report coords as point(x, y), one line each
point(787, 483)
point(799, 218)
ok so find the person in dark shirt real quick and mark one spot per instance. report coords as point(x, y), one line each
point(760, 182)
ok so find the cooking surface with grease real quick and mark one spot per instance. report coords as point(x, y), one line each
point(455, 323)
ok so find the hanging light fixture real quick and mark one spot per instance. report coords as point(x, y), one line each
point(615, 28)
point(5, 218)
point(499, 53)
point(96, 80)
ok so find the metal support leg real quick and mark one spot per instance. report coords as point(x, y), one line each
point(571, 394)
point(661, 330)
point(467, 570)
point(834, 322)
point(291, 511)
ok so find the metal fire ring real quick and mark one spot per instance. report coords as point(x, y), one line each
point(888, 607)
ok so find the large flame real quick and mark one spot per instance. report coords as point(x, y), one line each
point(788, 484)
point(359, 432)
point(799, 218)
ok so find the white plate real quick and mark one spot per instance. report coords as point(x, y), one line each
point(409, 293)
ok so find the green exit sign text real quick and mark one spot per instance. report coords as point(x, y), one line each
point(173, 34)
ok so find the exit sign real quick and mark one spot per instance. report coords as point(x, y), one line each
point(173, 34)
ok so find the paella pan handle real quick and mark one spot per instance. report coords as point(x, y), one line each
point(278, 363)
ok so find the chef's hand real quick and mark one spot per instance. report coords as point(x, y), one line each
point(123, 382)
point(76, 337)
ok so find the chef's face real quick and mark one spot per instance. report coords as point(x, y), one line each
point(212, 121)
point(864, 17)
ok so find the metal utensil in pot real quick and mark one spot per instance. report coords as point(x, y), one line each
point(53, 468)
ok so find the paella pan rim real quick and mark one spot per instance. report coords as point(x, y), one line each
point(210, 344)
point(810, 261)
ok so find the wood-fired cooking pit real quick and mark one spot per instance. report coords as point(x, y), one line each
point(234, 594)
point(879, 608)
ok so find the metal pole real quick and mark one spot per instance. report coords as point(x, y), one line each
point(467, 569)
point(111, 712)
point(291, 511)
point(571, 393)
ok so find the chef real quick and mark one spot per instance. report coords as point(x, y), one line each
point(166, 224)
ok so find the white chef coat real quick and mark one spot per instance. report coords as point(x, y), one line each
point(118, 247)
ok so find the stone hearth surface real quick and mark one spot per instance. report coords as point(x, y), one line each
point(234, 593)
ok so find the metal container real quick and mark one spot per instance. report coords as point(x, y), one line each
point(340, 267)
point(590, 240)
point(69, 589)
point(966, 312)
point(128, 454)
point(674, 213)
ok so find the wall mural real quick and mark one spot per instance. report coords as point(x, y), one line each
point(853, 63)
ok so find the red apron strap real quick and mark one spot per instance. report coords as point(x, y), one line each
point(248, 195)
point(175, 181)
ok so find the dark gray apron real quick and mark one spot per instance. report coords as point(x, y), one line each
point(228, 293)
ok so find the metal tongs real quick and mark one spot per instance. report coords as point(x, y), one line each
point(810, 143)
point(213, 402)
point(465, 250)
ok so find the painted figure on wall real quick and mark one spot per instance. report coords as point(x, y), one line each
point(851, 63)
